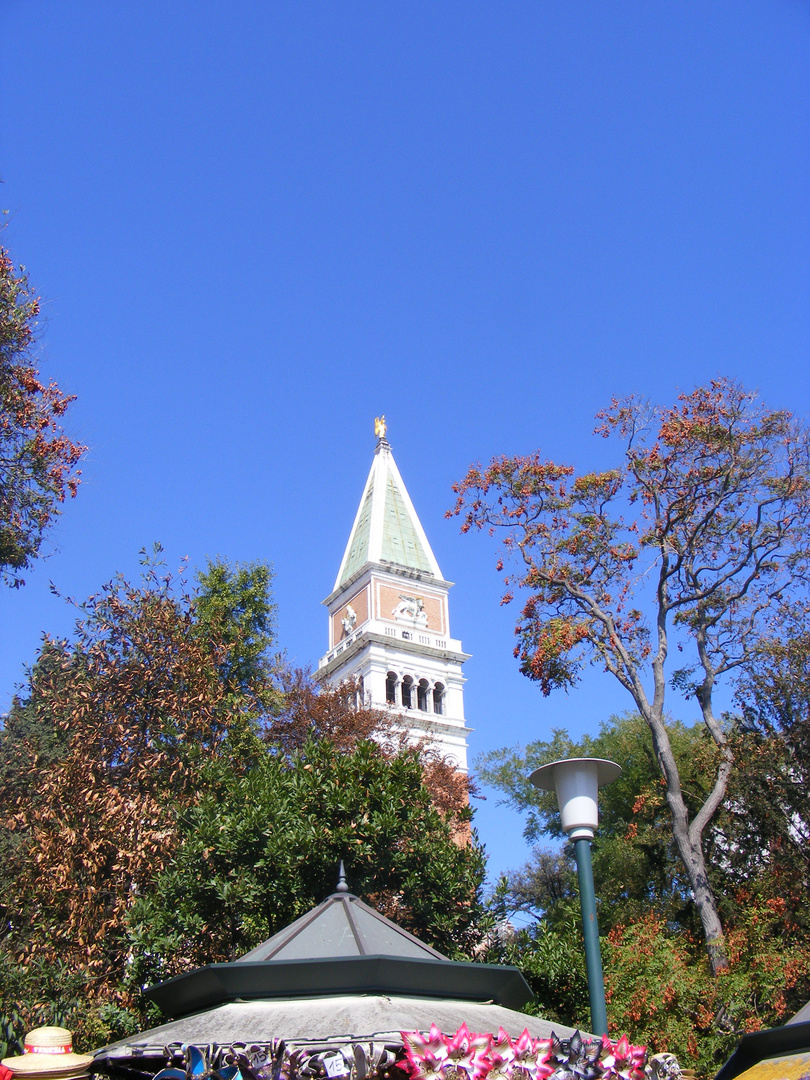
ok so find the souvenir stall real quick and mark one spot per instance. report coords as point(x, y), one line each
point(345, 993)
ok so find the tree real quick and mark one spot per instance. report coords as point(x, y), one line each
point(38, 462)
point(233, 606)
point(134, 706)
point(705, 521)
point(29, 740)
point(658, 984)
point(30, 745)
point(337, 713)
point(540, 887)
point(262, 847)
point(551, 959)
point(637, 871)
point(765, 824)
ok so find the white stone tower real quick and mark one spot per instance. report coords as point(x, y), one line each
point(388, 616)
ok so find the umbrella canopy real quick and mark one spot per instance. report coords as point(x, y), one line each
point(336, 1019)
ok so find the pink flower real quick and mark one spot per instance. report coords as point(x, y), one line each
point(622, 1059)
point(503, 1039)
point(524, 1047)
point(426, 1056)
point(468, 1056)
point(434, 1043)
point(469, 1052)
point(622, 1050)
point(427, 1066)
point(500, 1066)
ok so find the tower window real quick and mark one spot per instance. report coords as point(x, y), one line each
point(422, 695)
point(391, 688)
point(407, 692)
point(438, 699)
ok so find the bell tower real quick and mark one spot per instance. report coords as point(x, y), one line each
point(389, 622)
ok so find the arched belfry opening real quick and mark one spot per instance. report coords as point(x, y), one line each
point(389, 618)
point(391, 688)
point(438, 698)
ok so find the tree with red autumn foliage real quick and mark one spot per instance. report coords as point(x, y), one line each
point(112, 735)
point(695, 540)
point(38, 462)
point(340, 714)
point(337, 713)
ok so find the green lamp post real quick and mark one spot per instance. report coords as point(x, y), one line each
point(576, 782)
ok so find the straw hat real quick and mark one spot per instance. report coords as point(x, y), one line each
point(49, 1056)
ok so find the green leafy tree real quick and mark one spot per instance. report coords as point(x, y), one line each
point(38, 462)
point(42, 992)
point(233, 606)
point(542, 888)
point(636, 865)
point(340, 714)
point(765, 824)
point(659, 987)
point(262, 847)
point(549, 952)
point(692, 541)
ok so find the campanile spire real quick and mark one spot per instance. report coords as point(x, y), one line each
point(389, 620)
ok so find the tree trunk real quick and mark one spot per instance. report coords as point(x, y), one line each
point(688, 841)
point(695, 864)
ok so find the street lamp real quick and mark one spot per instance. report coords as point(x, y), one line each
point(576, 781)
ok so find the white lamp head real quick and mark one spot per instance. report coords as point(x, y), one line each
point(576, 781)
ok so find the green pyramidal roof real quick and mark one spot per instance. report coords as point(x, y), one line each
point(386, 528)
point(341, 926)
point(341, 947)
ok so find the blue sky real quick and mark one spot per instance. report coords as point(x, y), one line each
point(257, 226)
